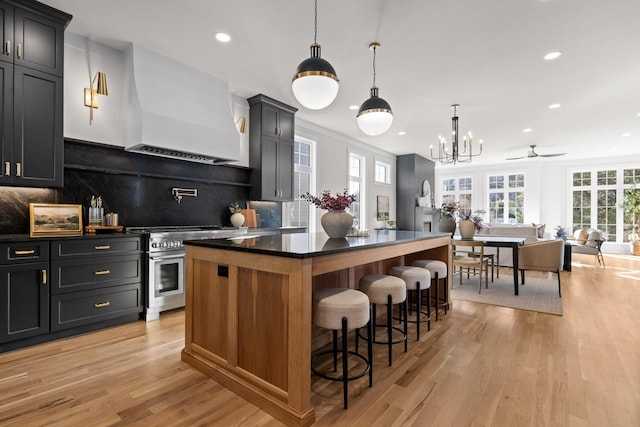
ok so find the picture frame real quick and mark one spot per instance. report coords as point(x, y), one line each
point(48, 219)
point(382, 208)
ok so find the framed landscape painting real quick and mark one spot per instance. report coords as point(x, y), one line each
point(383, 208)
point(46, 219)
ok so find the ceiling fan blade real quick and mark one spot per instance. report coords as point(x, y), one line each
point(552, 155)
point(516, 158)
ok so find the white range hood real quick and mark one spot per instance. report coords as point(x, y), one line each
point(176, 111)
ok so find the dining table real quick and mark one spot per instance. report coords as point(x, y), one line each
point(502, 242)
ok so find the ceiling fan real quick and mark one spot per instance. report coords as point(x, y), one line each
point(533, 153)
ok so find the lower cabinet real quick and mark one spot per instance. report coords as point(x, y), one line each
point(77, 308)
point(95, 279)
point(56, 288)
point(24, 290)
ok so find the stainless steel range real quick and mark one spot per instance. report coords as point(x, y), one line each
point(166, 258)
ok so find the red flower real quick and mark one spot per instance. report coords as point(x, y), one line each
point(339, 202)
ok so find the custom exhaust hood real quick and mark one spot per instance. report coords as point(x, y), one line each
point(176, 111)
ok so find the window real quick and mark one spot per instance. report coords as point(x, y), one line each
point(383, 172)
point(297, 213)
point(600, 191)
point(506, 198)
point(458, 190)
point(356, 186)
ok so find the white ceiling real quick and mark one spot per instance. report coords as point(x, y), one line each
point(484, 55)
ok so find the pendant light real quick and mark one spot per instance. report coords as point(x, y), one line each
point(315, 84)
point(375, 116)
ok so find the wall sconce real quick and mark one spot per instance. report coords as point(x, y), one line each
point(241, 124)
point(91, 94)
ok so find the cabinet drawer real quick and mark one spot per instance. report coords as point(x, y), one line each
point(22, 252)
point(93, 273)
point(72, 248)
point(79, 308)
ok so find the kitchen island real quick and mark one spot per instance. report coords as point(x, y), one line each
point(248, 306)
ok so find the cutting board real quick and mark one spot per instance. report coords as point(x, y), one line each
point(249, 218)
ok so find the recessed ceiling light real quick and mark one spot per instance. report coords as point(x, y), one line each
point(552, 55)
point(554, 106)
point(638, 114)
point(223, 37)
point(401, 133)
point(354, 107)
point(527, 130)
point(626, 134)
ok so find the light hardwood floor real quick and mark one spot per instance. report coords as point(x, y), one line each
point(480, 365)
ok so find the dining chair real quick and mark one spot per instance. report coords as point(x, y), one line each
point(462, 259)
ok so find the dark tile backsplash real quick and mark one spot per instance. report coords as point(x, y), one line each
point(138, 187)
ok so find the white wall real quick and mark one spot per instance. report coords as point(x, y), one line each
point(332, 154)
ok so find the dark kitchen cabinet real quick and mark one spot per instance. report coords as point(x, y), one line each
point(271, 136)
point(31, 67)
point(93, 280)
point(33, 35)
point(24, 290)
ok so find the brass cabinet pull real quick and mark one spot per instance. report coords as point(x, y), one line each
point(18, 169)
point(7, 47)
point(29, 252)
point(102, 247)
point(7, 168)
point(102, 304)
point(101, 272)
point(44, 277)
point(19, 50)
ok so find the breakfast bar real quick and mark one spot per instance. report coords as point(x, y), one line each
point(248, 306)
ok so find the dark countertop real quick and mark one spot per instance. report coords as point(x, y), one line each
point(307, 245)
point(7, 238)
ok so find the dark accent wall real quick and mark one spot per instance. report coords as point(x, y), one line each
point(138, 188)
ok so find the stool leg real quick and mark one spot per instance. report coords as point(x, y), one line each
point(419, 293)
point(429, 309)
point(373, 336)
point(406, 326)
point(335, 351)
point(370, 347)
point(446, 293)
point(389, 326)
point(437, 296)
point(345, 368)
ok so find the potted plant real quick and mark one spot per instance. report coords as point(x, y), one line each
point(631, 206)
point(335, 222)
point(470, 222)
point(237, 219)
point(446, 220)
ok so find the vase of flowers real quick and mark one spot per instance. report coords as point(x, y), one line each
point(237, 219)
point(336, 222)
point(446, 220)
point(469, 223)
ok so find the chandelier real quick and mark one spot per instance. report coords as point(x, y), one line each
point(454, 155)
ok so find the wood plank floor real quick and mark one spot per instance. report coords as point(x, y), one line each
point(480, 365)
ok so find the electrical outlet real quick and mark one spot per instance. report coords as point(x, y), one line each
point(223, 270)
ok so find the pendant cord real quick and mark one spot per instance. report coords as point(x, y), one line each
point(315, 19)
point(374, 66)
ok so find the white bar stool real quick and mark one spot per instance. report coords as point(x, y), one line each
point(342, 309)
point(416, 279)
point(438, 270)
point(389, 290)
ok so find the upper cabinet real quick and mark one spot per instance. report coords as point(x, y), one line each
point(271, 133)
point(31, 78)
point(32, 37)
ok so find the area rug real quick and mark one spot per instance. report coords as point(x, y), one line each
point(537, 295)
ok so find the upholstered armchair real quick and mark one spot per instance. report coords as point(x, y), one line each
point(545, 255)
point(588, 242)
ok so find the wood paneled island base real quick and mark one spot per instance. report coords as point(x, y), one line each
point(248, 306)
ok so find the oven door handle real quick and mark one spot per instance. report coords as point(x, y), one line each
point(163, 257)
